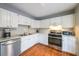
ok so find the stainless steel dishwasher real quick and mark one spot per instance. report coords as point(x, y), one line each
point(11, 47)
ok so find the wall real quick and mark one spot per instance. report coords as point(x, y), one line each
point(44, 30)
point(0, 32)
point(20, 30)
point(77, 28)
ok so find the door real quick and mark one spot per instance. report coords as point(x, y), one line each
point(5, 18)
point(10, 48)
point(13, 20)
point(67, 21)
point(65, 44)
point(68, 44)
point(55, 21)
point(25, 43)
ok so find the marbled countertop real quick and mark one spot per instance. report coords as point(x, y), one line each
point(9, 38)
point(14, 37)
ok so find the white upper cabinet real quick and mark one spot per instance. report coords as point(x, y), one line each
point(35, 24)
point(67, 21)
point(55, 21)
point(8, 19)
point(21, 19)
point(4, 18)
point(13, 20)
point(27, 21)
point(51, 21)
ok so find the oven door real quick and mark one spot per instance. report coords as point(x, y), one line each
point(55, 41)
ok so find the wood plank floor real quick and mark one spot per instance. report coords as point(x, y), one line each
point(44, 50)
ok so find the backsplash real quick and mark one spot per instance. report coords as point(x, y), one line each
point(20, 30)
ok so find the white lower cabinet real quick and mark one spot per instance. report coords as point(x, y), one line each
point(43, 38)
point(25, 43)
point(29, 41)
point(69, 44)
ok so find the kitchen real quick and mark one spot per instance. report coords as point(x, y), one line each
point(25, 26)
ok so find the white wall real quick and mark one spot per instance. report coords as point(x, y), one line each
point(20, 30)
point(77, 28)
point(44, 30)
point(0, 32)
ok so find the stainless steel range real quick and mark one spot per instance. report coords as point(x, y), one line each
point(55, 38)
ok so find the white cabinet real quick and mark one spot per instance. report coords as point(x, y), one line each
point(42, 22)
point(43, 38)
point(29, 41)
point(25, 43)
point(55, 21)
point(69, 44)
point(28, 21)
point(21, 19)
point(67, 21)
point(35, 24)
point(8, 19)
point(51, 21)
point(4, 18)
point(13, 20)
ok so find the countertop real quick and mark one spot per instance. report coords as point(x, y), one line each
point(14, 37)
point(9, 38)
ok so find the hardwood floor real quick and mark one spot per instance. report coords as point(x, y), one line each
point(44, 50)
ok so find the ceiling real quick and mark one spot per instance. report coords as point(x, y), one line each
point(40, 10)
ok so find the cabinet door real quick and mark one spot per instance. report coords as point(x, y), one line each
point(20, 19)
point(42, 22)
point(35, 24)
point(65, 44)
point(27, 21)
point(67, 21)
point(43, 38)
point(5, 18)
point(46, 23)
point(68, 44)
point(72, 44)
point(8, 19)
point(28, 41)
point(55, 21)
point(13, 20)
point(25, 43)
point(33, 40)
